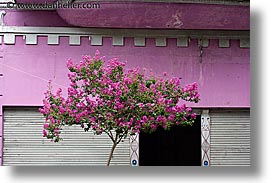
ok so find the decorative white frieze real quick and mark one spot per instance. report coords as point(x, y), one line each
point(9, 38)
point(96, 40)
point(160, 41)
point(203, 42)
point(31, 39)
point(139, 41)
point(118, 41)
point(205, 138)
point(182, 41)
point(53, 39)
point(96, 36)
point(74, 40)
point(245, 43)
point(224, 43)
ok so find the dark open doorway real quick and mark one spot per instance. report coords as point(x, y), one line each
point(181, 146)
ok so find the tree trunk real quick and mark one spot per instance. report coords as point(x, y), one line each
point(111, 153)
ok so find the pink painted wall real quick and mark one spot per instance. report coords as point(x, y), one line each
point(34, 18)
point(223, 75)
point(139, 15)
point(160, 15)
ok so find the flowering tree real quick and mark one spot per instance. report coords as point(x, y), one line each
point(107, 98)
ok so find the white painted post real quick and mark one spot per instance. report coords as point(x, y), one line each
point(205, 138)
point(134, 149)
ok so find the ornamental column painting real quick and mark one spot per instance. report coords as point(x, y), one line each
point(205, 138)
point(134, 149)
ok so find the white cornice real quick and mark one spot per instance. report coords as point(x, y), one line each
point(118, 35)
point(233, 34)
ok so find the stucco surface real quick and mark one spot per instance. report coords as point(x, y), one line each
point(223, 75)
point(34, 18)
point(139, 15)
point(159, 15)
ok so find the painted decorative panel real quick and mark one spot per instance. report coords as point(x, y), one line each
point(205, 138)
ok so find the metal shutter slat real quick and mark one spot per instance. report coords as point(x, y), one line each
point(230, 137)
point(24, 144)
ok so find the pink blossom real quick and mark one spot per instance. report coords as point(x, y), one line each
point(141, 105)
point(154, 126)
point(56, 130)
point(44, 133)
point(70, 63)
point(193, 115)
point(46, 125)
point(97, 53)
point(160, 100)
point(171, 117)
point(144, 118)
point(86, 57)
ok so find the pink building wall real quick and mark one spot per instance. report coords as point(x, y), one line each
point(34, 18)
point(160, 15)
point(223, 75)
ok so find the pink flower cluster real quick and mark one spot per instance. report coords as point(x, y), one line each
point(104, 97)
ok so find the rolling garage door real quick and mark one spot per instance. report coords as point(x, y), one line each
point(230, 137)
point(24, 144)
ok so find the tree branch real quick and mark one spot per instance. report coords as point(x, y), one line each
point(111, 136)
point(121, 137)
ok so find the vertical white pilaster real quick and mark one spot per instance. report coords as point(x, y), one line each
point(134, 149)
point(205, 138)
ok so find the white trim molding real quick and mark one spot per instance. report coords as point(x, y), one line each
point(205, 138)
point(96, 35)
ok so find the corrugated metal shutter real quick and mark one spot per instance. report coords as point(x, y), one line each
point(230, 137)
point(24, 144)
